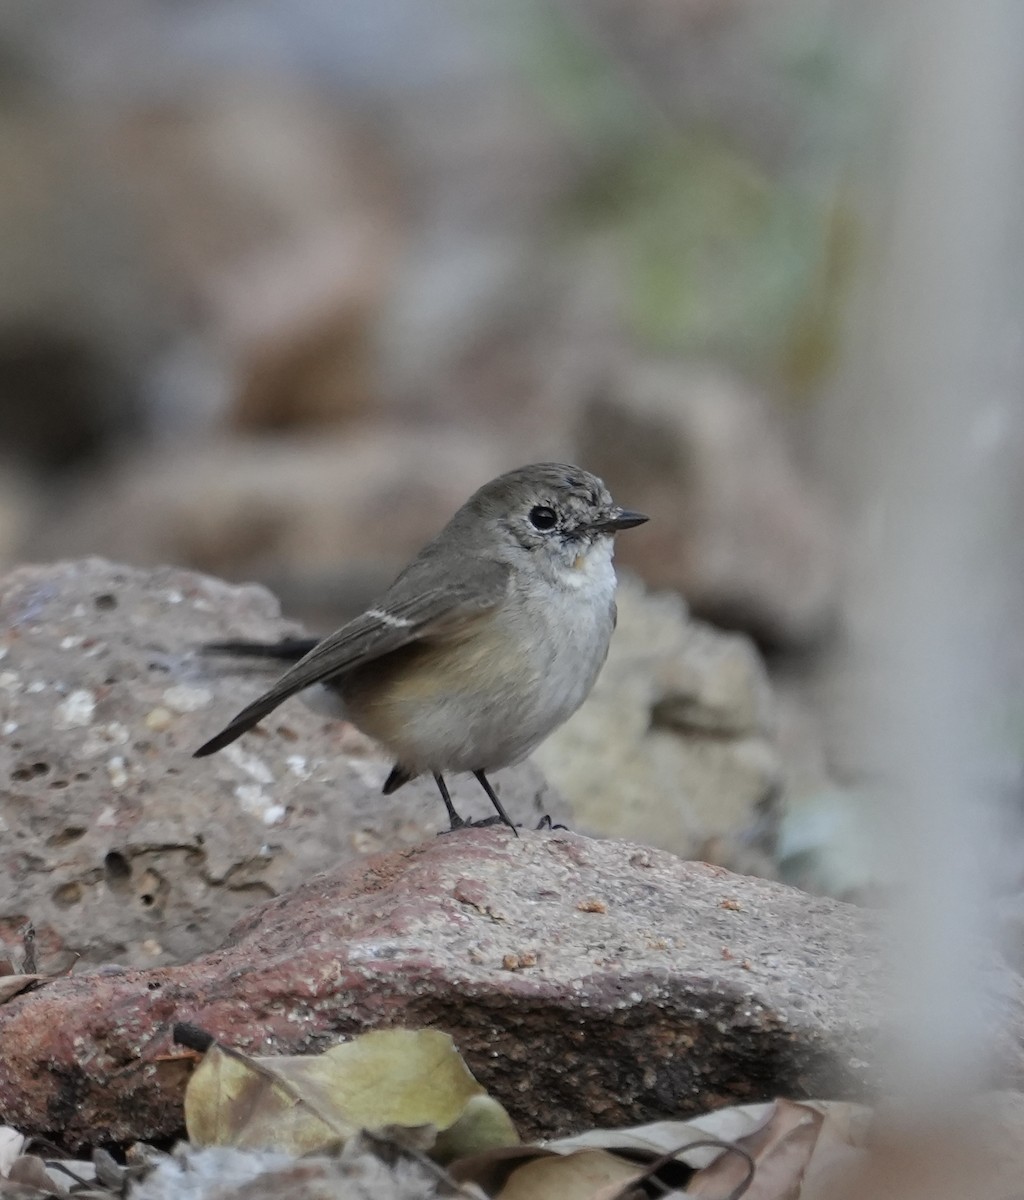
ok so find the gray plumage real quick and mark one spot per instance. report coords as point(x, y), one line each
point(489, 639)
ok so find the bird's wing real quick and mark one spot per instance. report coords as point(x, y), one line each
point(404, 615)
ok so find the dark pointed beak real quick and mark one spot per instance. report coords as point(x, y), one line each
point(623, 519)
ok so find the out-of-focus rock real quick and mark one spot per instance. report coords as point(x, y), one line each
point(72, 349)
point(18, 500)
point(674, 746)
point(114, 842)
point(739, 532)
point(274, 219)
point(584, 983)
point(341, 515)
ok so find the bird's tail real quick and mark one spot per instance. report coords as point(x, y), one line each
point(290, 650)
point(287, 650)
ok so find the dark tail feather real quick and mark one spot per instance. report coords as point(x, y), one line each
point(399, 777)
point(245, 720)
point(288, 650)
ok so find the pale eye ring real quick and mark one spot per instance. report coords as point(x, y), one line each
point(542, 517)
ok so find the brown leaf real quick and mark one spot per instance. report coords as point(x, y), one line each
point(9, 1190)
point(840, 1147)
point(781, 1151)
point(30, 1171)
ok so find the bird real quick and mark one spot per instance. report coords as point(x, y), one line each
point(490, 639)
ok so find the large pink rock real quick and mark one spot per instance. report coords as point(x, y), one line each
point(585, 982)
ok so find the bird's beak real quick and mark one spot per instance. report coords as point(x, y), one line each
point(622, 519)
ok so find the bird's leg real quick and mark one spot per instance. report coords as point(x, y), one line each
point(503, 816)
point(546, 823)
point(455, 821)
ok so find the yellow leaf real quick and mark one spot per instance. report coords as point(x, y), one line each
point(575, 1176)
point(397, 1078)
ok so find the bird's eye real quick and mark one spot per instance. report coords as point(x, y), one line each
point(542, 517)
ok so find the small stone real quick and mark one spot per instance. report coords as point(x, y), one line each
point(76, 710)
point(158, 719)
point(186, 698)
point(518, 962)
point(116, 772)
point(254, 767)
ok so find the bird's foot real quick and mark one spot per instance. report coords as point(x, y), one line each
point(546, 823)
point(462, 823)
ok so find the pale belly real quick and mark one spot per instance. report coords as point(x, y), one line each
point(489, 700)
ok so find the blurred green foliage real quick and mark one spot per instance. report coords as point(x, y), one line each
point(720, 257)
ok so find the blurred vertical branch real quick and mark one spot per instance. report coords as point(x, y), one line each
point(906, 434)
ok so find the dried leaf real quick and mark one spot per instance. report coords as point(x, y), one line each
point(841, 1147)
point(781, 1151)
point(12, 985)
point(483, 1124)
point(68, 1173)
point(9, 1190)
point(108, 1170)
point(661, 1137)
point(490, 1170)
point(581, 1175)
point(397, 1077)
point(30, 1171)
point(11, 1145)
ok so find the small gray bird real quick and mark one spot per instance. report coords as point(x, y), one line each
point(489, 639)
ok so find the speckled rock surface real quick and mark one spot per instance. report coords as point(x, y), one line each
point(117, 844)
point(585, 982)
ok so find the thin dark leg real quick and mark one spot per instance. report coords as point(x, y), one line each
point(454, 820)
point(482, 779)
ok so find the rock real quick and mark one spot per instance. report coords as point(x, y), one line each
point(18, 500)
point(306, 516)
point(114, 842)
point(272, 215)
point(584, 982)
point(739, 532)
point(674, 746)
point(78, 318)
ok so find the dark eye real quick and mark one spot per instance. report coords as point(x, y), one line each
point(542, 517)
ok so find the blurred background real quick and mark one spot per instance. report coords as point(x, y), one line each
point(283, 281)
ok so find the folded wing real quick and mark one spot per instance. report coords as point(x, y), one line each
point(405, 614)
